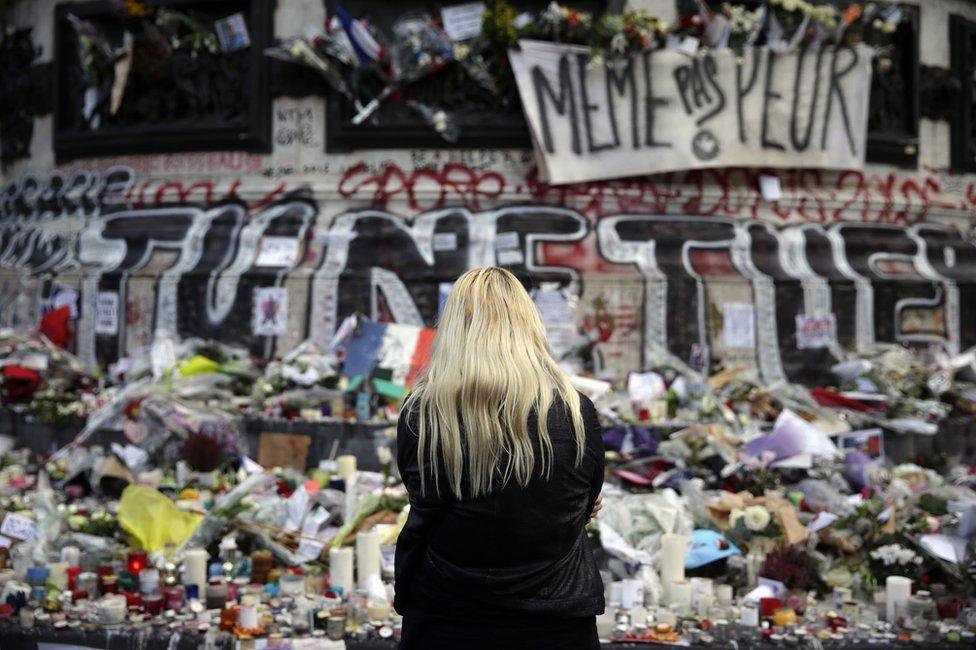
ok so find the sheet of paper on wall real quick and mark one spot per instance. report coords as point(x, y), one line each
point(506, 240)
point(814, 331)
point(270, 311)
point(232, 33)
point(444, 241)
point(107, 312)
point(557, 316)
point(511, 257)
point(770, 188)
point(739, 325)
point(277, 251)
point(463, 21)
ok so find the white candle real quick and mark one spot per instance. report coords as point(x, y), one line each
point(680, 595)
point(346, 466)
point(367, 556)
point(195, 569)
point(672, 561)
point(340, 568)
point(897, 591)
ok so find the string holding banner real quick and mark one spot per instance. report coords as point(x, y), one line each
point(662, 110)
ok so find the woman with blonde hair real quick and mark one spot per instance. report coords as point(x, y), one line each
point(503, 462)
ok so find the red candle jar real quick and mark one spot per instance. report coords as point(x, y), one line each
point(767, 606)
point(153, 604)
point(138, 560)
point(173, 597)
point(73, 572)
point(78, 594)
point(109, 585)
point(132, 600)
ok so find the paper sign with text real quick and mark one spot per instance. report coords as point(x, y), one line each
point(813, 331)
point(665, 110)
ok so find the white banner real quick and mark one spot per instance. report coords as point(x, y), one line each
point(665, 110)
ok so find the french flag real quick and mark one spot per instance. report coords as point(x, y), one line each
point(363, 44)
point(404, 349)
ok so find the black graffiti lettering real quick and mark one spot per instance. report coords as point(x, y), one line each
point(651, 104)
point(768, 96)
point(582, 61)
point(711, 75)
point(801, 143)
point(741, 90)
point(563, 101)
point(835, 89)
point(621, 83)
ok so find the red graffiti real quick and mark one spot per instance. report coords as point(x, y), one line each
point(204, 193)
point(453, 181)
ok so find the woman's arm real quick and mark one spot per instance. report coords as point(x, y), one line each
point(426, 511)
point(594, 446)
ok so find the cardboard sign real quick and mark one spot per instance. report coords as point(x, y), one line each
point(283, 450)
point(664, 110)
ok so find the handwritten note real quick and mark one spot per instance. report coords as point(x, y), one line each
point(18, 527)
point(107, 313)
point(739, 325)
point(277, 251)
point(815, 331)
point(463, 21)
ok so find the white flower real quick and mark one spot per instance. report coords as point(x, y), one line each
point(756, 518)
point(384, 455)
point(895, 554)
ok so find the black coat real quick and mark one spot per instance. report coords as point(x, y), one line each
point(517, 551)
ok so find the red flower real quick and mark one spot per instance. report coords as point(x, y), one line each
point(573, 18)
point(20, 382)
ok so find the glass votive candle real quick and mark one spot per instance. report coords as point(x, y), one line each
point(173, 596)
point(216, 593)
point(292, 584)
point(136, 562)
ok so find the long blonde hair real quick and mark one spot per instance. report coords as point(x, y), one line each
point(490, 368)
